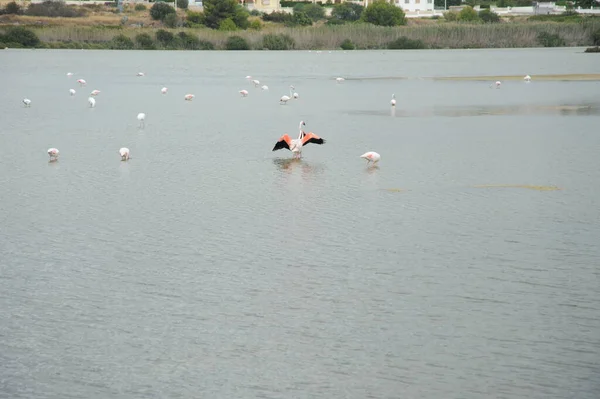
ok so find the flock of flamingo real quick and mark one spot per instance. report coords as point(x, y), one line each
point(285, 141)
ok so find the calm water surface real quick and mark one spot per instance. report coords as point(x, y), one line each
point(210, 267)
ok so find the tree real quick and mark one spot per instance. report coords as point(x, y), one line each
point(216, 11)
point(313, 11)
point(183, 4)
point(160, 10)
point(383, 14)
point(347, 12)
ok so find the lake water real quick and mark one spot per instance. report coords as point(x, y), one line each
point(208, 266)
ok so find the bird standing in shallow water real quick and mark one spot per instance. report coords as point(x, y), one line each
point(393, 101)
point(141, 117)
point(371, 157)
point(53, 153)
point(295, 145)
point(124, 152)
point(27, 102)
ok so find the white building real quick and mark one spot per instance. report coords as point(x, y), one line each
point(411, 6)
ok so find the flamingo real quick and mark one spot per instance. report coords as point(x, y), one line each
point(27, 102)
point(248, 77)
point(124, 152)
point(92, 102)
point(283, 100)
point(69, 74)
point(393, 101)
point(265, 87)
point(256, 82)
point(527, 78)
point(371, 156)
point(295, 145)
point(140, 74)
point(72, 92)
point(141, 116)
point(244, 93)
point(164, 90)
point(95, 93)
point(339, 80)
point(189, 97)
point(497, 84)
point(53, 153)
point(294, 95)
point(81, 82)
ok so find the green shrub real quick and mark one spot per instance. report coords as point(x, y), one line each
point(236, 43)
point(160, 10)
point(144, 41)
point(489, 16)
point(468, 14)
point(550, 39)
point(22, 36)
point(255, 13)
point(13, 8)
point(171, 20)
point(277, 16)
point(193, 18)
point(227, 25)
point(404, 43)
point(256, 25)
point(165, 38)
point(140, 7)
point(313, 11)
point(183, 4)
point(273, 41)
point(383, 13)
point(451, 16)
point(121, 42)
point(191, 42)
point(347, 45)
point(300, 18)
point(346, 12)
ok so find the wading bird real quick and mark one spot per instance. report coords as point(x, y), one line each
point(53, 153)
point(371, 156)
point(124, 152)
point(141, 117)
point(295, 145)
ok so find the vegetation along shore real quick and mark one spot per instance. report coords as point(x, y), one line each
point(226, 25)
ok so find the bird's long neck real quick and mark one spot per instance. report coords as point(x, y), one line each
point(301, 133)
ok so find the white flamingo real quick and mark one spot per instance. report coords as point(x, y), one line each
point(256, 82)
point(294, 95)
point(339, 80)
point(72, 92)
point(141, 117)
point(69, 74)
point(497, 84)
point(284, 99)
point(95, 93)
point(249, 77)
point(124, 152)
point(53, 154)
point(265, 87)
point(140, 74)
point(244, 93)
point(527, 78)
point(92, 102)
point(164, 90)
point(371, 156)
point(81, 82)
point(295, 145)
point(189, 97)
point(393, 101)
point(27, 102)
